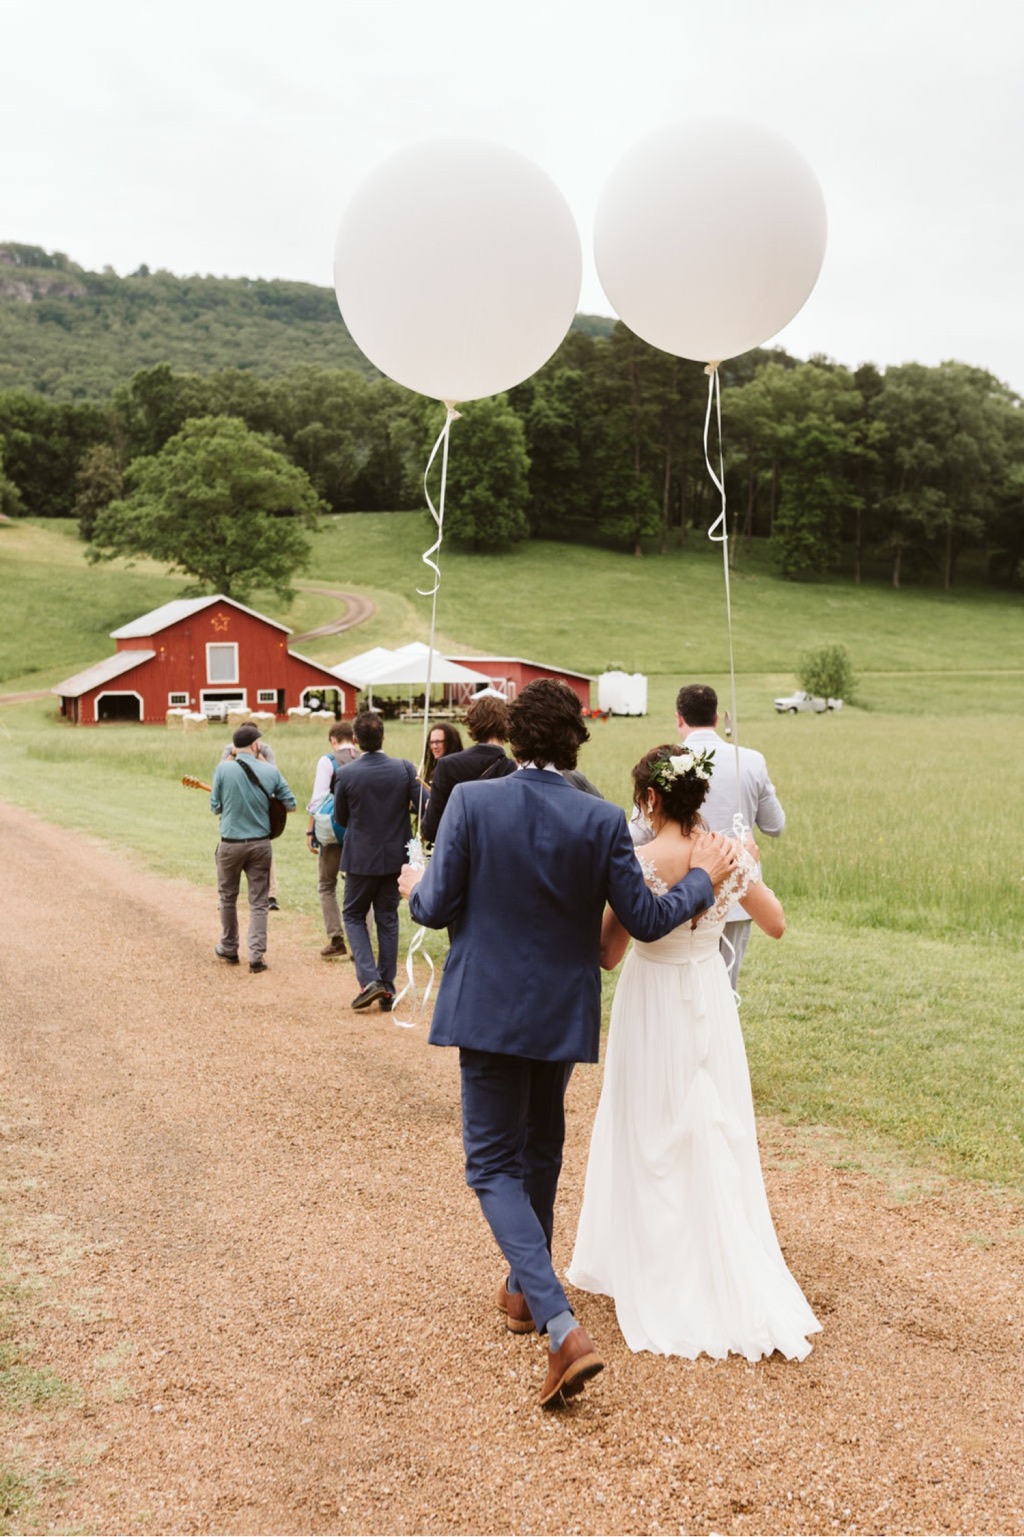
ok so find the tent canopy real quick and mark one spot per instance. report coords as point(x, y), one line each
point(381, 668)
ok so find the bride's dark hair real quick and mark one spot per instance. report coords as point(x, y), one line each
point(681, 798)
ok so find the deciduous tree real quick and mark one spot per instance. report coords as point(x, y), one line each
point(99, 482)
point(217, 503)
point(828, 673)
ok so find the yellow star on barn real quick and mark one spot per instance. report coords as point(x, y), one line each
point(220, 622)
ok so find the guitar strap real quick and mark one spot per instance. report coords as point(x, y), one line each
point(254, 778)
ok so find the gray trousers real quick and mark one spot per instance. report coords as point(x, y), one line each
point(252, 857)
point(733, 943)
point(327, 866)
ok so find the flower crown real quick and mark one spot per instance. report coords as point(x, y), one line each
point(678, 765)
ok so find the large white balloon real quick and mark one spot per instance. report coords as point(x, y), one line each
point(457, 268)
point(709, 237)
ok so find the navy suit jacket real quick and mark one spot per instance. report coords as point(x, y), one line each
point(373, 796)
point(520, 873)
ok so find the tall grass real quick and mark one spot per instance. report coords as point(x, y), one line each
point(892, 1007)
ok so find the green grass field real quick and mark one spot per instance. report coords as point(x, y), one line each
point(890, 1011)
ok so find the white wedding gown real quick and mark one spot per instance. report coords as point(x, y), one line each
point(675, 1223)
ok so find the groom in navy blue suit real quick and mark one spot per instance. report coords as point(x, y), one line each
point(520, 874)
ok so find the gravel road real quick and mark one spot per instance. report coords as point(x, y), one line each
point(237, 1211)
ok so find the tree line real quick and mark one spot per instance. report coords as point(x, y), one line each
point(850, 472)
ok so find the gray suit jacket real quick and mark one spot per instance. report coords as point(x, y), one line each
point(757, 799)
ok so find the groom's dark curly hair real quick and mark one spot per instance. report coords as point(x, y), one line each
point(545, 724)
point(682, 802)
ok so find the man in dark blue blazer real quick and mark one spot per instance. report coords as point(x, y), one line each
point(372, 800)
point(521, 871)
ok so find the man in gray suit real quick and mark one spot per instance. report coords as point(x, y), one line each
point(372, 800)
point(696, 718)
point(520, 873)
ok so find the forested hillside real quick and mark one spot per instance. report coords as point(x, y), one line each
point(914, 474)
point(73, 335)
point(76, 335)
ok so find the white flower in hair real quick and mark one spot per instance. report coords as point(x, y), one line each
point(679, 765)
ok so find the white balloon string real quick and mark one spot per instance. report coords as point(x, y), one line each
point(719, 534)
point(437, 513)
point(416, 945)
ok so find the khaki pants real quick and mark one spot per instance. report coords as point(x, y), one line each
point(252, 857)
point(328, 865)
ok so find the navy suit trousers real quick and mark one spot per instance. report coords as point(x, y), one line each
point(513, 1129)
point(381, 893)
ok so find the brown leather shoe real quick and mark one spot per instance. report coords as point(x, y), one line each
point(570, 1367)
point(517, 1314)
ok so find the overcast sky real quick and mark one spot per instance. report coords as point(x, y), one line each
point(226, 136)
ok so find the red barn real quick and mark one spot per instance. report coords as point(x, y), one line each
point(511, 673)
point(202, 654)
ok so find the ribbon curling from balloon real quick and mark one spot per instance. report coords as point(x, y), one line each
point(417, 860)
point(431, 557)
point(718, 533)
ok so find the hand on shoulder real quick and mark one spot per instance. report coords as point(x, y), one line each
point(714, 854)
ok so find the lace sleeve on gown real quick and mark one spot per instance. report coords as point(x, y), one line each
point(651, 875)
point(747, 873)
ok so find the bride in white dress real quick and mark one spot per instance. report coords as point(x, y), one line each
point(675, 1223)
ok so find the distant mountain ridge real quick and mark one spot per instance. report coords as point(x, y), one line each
point(72, 334)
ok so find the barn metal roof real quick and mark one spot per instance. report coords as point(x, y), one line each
point(101, 672)
point(182, 608)
point(569, 672)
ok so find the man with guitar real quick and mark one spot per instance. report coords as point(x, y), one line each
point(243, 787)
point(263, 750)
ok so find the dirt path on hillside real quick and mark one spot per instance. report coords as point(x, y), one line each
point(356, 611)
point(237, 1212)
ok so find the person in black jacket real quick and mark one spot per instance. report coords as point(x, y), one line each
point(487, 724)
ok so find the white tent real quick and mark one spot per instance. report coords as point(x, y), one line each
point(364, 662)
point(381, 668)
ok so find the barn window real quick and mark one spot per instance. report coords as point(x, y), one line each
point(177, 699)
point(221, 662)
point(266, 696)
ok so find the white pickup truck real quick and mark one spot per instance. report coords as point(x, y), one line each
point(791, 703)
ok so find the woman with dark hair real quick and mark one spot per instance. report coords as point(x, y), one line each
point(443, 738)
point(675, 1223)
